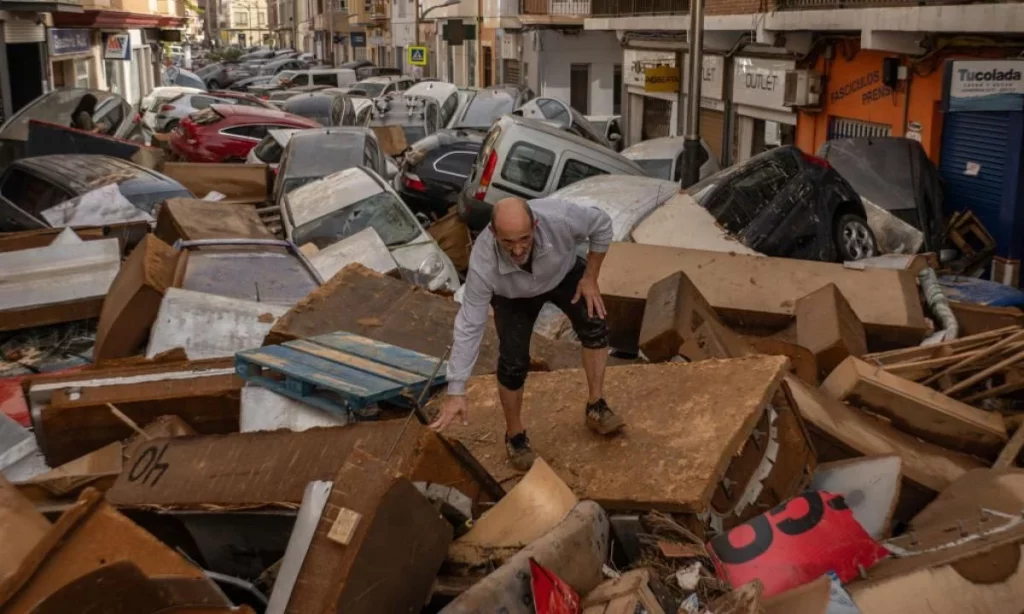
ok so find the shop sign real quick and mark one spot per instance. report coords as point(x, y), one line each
point(760, 82)
point(65, 41)
point(661, 79)
point(358, 39)
point(117, 47)
point(985, 85)
point(636, 62)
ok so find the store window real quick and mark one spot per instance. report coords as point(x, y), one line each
point(261, 18)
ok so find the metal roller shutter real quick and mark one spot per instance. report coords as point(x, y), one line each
point(24, 31)
point(712, 130)
point(980, 165)
point(511, 71)
point(842, 128)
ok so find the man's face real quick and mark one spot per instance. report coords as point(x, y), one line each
point(517, 244)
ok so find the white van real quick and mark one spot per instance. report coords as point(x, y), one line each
point(530, 158)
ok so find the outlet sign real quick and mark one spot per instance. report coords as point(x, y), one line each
point(984, 85)
point(760, 82)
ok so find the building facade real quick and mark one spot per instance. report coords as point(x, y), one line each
point(245, 23)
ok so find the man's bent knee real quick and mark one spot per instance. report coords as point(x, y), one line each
point(593, 333)
point(512, 375)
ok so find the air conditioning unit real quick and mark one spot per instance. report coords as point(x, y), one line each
point(803, 88)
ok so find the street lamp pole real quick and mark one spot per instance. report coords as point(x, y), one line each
point(691, 142)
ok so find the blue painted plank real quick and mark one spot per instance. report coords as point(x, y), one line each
point(362, 387)
point(356, 362)
point(384, 353)
point(282, 389)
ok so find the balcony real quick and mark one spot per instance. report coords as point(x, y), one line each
point(639, 8)
point(554, 12)
point(170, 8)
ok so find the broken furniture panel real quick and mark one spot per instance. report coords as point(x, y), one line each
point(128, 234)
point(58, 283)
point(22, 527)
point(377, 547)
point(239, 183)
point(828, 326)
point(575, 551)
point(757, 293)
point(131, 304)
point(684, 424)
point(188, 219)
point(870, 486)
point(536, 505)
point(267, 469)
point(917, 409)
point(364, 247)
point(71, 417)
point(626, 594)
point(365, 303)
point(859, 433)
point(209, 326)
point(265, 410)
point(89, 535)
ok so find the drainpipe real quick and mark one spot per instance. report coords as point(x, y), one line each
point(691, 143)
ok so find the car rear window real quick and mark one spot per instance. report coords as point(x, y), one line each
point(269, 150)
point(206, 117)
point(529, 166)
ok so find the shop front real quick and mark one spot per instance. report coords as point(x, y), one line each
point(761, 118)
point(712, 101)
point(874, 94)
point(23, 69)
point(73, 58)
point(981, 159)
point(651, 107)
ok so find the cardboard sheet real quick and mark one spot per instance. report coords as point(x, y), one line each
point(240, 183)
point(193, 220)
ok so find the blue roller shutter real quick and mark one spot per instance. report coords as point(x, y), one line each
point(980, 166)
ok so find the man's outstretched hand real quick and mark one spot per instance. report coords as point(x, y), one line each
point(453, 407)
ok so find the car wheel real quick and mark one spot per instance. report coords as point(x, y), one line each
point(212, 84)
point(171, 125)
point(854, 240)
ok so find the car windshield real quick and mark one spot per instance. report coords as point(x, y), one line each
point(373, 90)
point(483, 112)
point(657, 167)
point(381, 211)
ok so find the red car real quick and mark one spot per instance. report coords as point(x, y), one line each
point(244, 99)
point(226, 133)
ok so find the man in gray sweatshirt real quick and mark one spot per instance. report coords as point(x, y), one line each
point(523, 259)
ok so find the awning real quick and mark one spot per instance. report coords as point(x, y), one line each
point(116, 19)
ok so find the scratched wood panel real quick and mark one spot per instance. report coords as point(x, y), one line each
point(380, 352)
point(316, 347)
point(255, 469)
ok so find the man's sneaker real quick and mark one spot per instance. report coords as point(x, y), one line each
point(519, 451)
point(601, 419)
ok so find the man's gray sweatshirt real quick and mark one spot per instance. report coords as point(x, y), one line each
point(561, 226)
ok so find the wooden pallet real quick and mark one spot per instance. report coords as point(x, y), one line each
point(340, 372)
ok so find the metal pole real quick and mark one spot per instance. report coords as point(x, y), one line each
point(330, 36)
point(691, 143)
point(416, 36)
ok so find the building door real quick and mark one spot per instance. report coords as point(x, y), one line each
point(25, 67)
point(488, 66)
point(657, 120)
point(579, 88)
point(511, 69)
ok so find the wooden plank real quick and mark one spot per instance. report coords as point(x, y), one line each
point(761, 291)
point(684, 425)
point(380, 352)
point(828, 327)
point(979, 377)
point(376, 369)
point(1008, 457)
point(339, 378)
point(932, 351)
point(925, 464)
point(917, 409)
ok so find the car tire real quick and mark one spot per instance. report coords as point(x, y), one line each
point(854, 239)
point(171, 125)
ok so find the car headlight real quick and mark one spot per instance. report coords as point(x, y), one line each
point(431, 267)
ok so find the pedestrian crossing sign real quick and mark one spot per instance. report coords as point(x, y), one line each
point(418, 56)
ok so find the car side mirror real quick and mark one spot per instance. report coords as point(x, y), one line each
point(615, 138)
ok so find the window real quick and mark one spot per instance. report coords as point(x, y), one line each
point(256, 131)
point(448, 108)
point(343, 6)
point(82, 73)
point(528, 166)
point(577, 171)
point(30, 193)
point(579, 87)
point(368, 6)
point(326, 78)
point(201, 102)
point(241, 19)
point(457, 163)
point(269, 151)
point(740, 202)
point(261, 18)
point(617, 89)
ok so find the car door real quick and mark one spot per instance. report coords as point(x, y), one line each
point(791, 224)
point(526, 172)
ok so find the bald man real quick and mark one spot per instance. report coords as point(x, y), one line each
point(527, 257)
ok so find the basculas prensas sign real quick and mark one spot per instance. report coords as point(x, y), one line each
point(661, 79)
point(984, 85)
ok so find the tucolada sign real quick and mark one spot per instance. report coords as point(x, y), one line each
point(985, 85)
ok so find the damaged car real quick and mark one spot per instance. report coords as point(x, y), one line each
point(314, 154)
point(340, 205)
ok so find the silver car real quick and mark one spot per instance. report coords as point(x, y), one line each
point(169, 113)
point(663, 158)
point(340, 205)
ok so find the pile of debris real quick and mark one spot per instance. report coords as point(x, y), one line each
point(206, 421)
